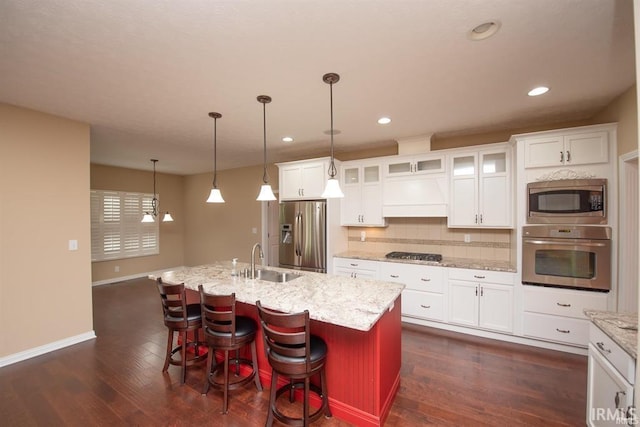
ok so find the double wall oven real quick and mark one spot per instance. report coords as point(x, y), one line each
point(564, 252)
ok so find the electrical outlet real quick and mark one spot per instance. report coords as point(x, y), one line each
point(116, 269)
point(363, 236)
point(467, 238)
point(73, 245)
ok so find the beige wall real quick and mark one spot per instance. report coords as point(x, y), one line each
point(170, 190)
point(45, 289)
point(624, 111)
point(224, 231)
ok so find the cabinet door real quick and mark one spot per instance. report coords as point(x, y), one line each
point(371, 200)
point(586, 148)
point(464, 196)
point(291, 182)
point(463, 303)
point(422, 305)
point(429, 165)
point(350, 204)
point(608, 394)
point(399, 168)
point(544, 151)
point(496, 307)
point(494, 190)
point(313, 179)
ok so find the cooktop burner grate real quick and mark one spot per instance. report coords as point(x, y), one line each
point(414, 256)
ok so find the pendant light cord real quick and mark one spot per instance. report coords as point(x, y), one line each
point(154, 201)
point(265, 176)
point(215, 156)
point(332, 167)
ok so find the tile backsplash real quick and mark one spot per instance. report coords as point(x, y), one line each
point(432, 235)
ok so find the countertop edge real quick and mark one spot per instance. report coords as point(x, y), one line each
point(617, 327)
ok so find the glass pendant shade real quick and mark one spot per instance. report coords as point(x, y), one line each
point(147, 217)
point(266, 194)
point(167, 217)
point(332, 190)
point(215, 196)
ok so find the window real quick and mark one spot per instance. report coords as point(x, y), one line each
point(116, 227)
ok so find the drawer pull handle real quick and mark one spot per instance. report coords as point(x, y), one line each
point(353, 265)
point(616, 400)
point(601, 347)
point(395, 276)
point(478, 277)
point(563, 331)
point(425, 306)
point(563, 305)
point(425, 280)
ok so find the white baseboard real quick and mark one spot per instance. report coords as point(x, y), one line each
point(133, 276)
point(37, 351)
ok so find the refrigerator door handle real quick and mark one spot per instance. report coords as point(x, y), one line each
point(298, 233)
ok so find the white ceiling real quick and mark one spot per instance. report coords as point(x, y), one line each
point(145, 73)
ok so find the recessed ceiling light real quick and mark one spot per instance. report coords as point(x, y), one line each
point(384, 120)
point(287, 139)
point(484, 30)
point(538, 91)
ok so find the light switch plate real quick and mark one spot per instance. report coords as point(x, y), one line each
point(73, 245)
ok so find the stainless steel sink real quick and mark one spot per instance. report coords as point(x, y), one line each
point(276, 276)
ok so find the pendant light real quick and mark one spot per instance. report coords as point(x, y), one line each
point(151, 216)
point(332, 190)
point(266, 193)
point(215, 196)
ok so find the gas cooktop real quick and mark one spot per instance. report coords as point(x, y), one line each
point(414, 256)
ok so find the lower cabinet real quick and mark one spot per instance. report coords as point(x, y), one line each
point(355, 268)
point(476, 300)
point(610, 380)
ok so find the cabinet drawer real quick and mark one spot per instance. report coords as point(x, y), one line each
point(354, 263)
point(562, 302)
point(555, 328)
point(611, 351)
point(417, 277)
point(423, 305)
point(481, 276)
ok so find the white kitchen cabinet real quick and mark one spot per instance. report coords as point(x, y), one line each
point(355, 268)
point(362, 187)
point(579, 148)
point(610, 382)
point(302, 180)
point(423, 296)
point(558, 314)
point(481, 189)
point(415, 186)
point(476, 300)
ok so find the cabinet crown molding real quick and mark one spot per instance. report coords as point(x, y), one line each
point(561, 174)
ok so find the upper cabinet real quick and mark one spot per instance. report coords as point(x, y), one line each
point(579, 148)
point(303, 180)
point(362, 187)
point(481, 189)
point(415, 186)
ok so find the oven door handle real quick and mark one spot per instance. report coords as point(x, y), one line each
point(561, 243)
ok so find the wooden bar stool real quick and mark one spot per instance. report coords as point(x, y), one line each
point(224, 331)
point(182, 318)
point(294, 353)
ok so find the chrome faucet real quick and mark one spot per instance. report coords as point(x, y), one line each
point(253, 258)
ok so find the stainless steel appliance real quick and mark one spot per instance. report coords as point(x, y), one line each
point(418, 256)
point(567, 201)
point(303, 235)
point(567, 256)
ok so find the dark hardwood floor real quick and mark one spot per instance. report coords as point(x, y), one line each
point(446, 379)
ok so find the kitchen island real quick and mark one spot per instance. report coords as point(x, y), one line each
point(358, 319)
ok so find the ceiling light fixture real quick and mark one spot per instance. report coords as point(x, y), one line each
point(215, 196)
point(151, 216)
point(384, 120)
point(540, 90)
point(483, 31)
point(332, 190)
point(266, 193)
point(287, 139)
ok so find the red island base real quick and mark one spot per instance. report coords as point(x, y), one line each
point(363, 368)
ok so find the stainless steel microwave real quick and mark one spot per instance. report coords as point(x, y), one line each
point(567, 201)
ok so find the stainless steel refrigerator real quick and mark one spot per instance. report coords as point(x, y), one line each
point(303, 235)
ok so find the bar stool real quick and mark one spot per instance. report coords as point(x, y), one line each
point(182, 318)
point(224, 331)
point(294, 353)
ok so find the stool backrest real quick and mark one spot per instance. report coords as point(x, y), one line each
point(174, 304)
point(218, 317)
point(286, 335)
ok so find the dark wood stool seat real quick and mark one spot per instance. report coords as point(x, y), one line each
point(225, 331)
point(182, 318)
point(294, 353)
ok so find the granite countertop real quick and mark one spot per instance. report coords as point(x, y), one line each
point(620, 327)
point(343, 301)
point(446, 262)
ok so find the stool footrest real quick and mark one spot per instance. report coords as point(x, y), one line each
point(287, 388)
